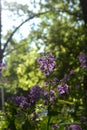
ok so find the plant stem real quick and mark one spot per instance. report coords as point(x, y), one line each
point(48, 123)
point(49, 117)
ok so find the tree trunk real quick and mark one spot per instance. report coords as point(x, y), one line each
point(83, 4)
point(84, 9)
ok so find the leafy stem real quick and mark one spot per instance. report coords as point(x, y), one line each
point(49, 108)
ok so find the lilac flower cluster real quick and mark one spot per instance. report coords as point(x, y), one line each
point(47, 63)
point(83, 60)
point(31, 99)
point(74, 127)
point(62, 89)
point(35, 94)
point(20, 101)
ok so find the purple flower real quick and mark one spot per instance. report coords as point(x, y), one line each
point(71, 72)
point(55, 81)
point(83, 60)
point(49, 97)
point(55, 127)
point(46, 72)
point(20, 101)
point(46, 83)
point(35, 94)
point(66, 77)
point(83, 119)
point(47, 63)
point(62, 89)
point(52, 93)
point(46, 97)
point(39, 60)
point(52, 82)
point(52, 96)
point(74, 127)
point(77, 86)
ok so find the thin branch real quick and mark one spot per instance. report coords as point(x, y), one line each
point(13, 50)
point(11, 35)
